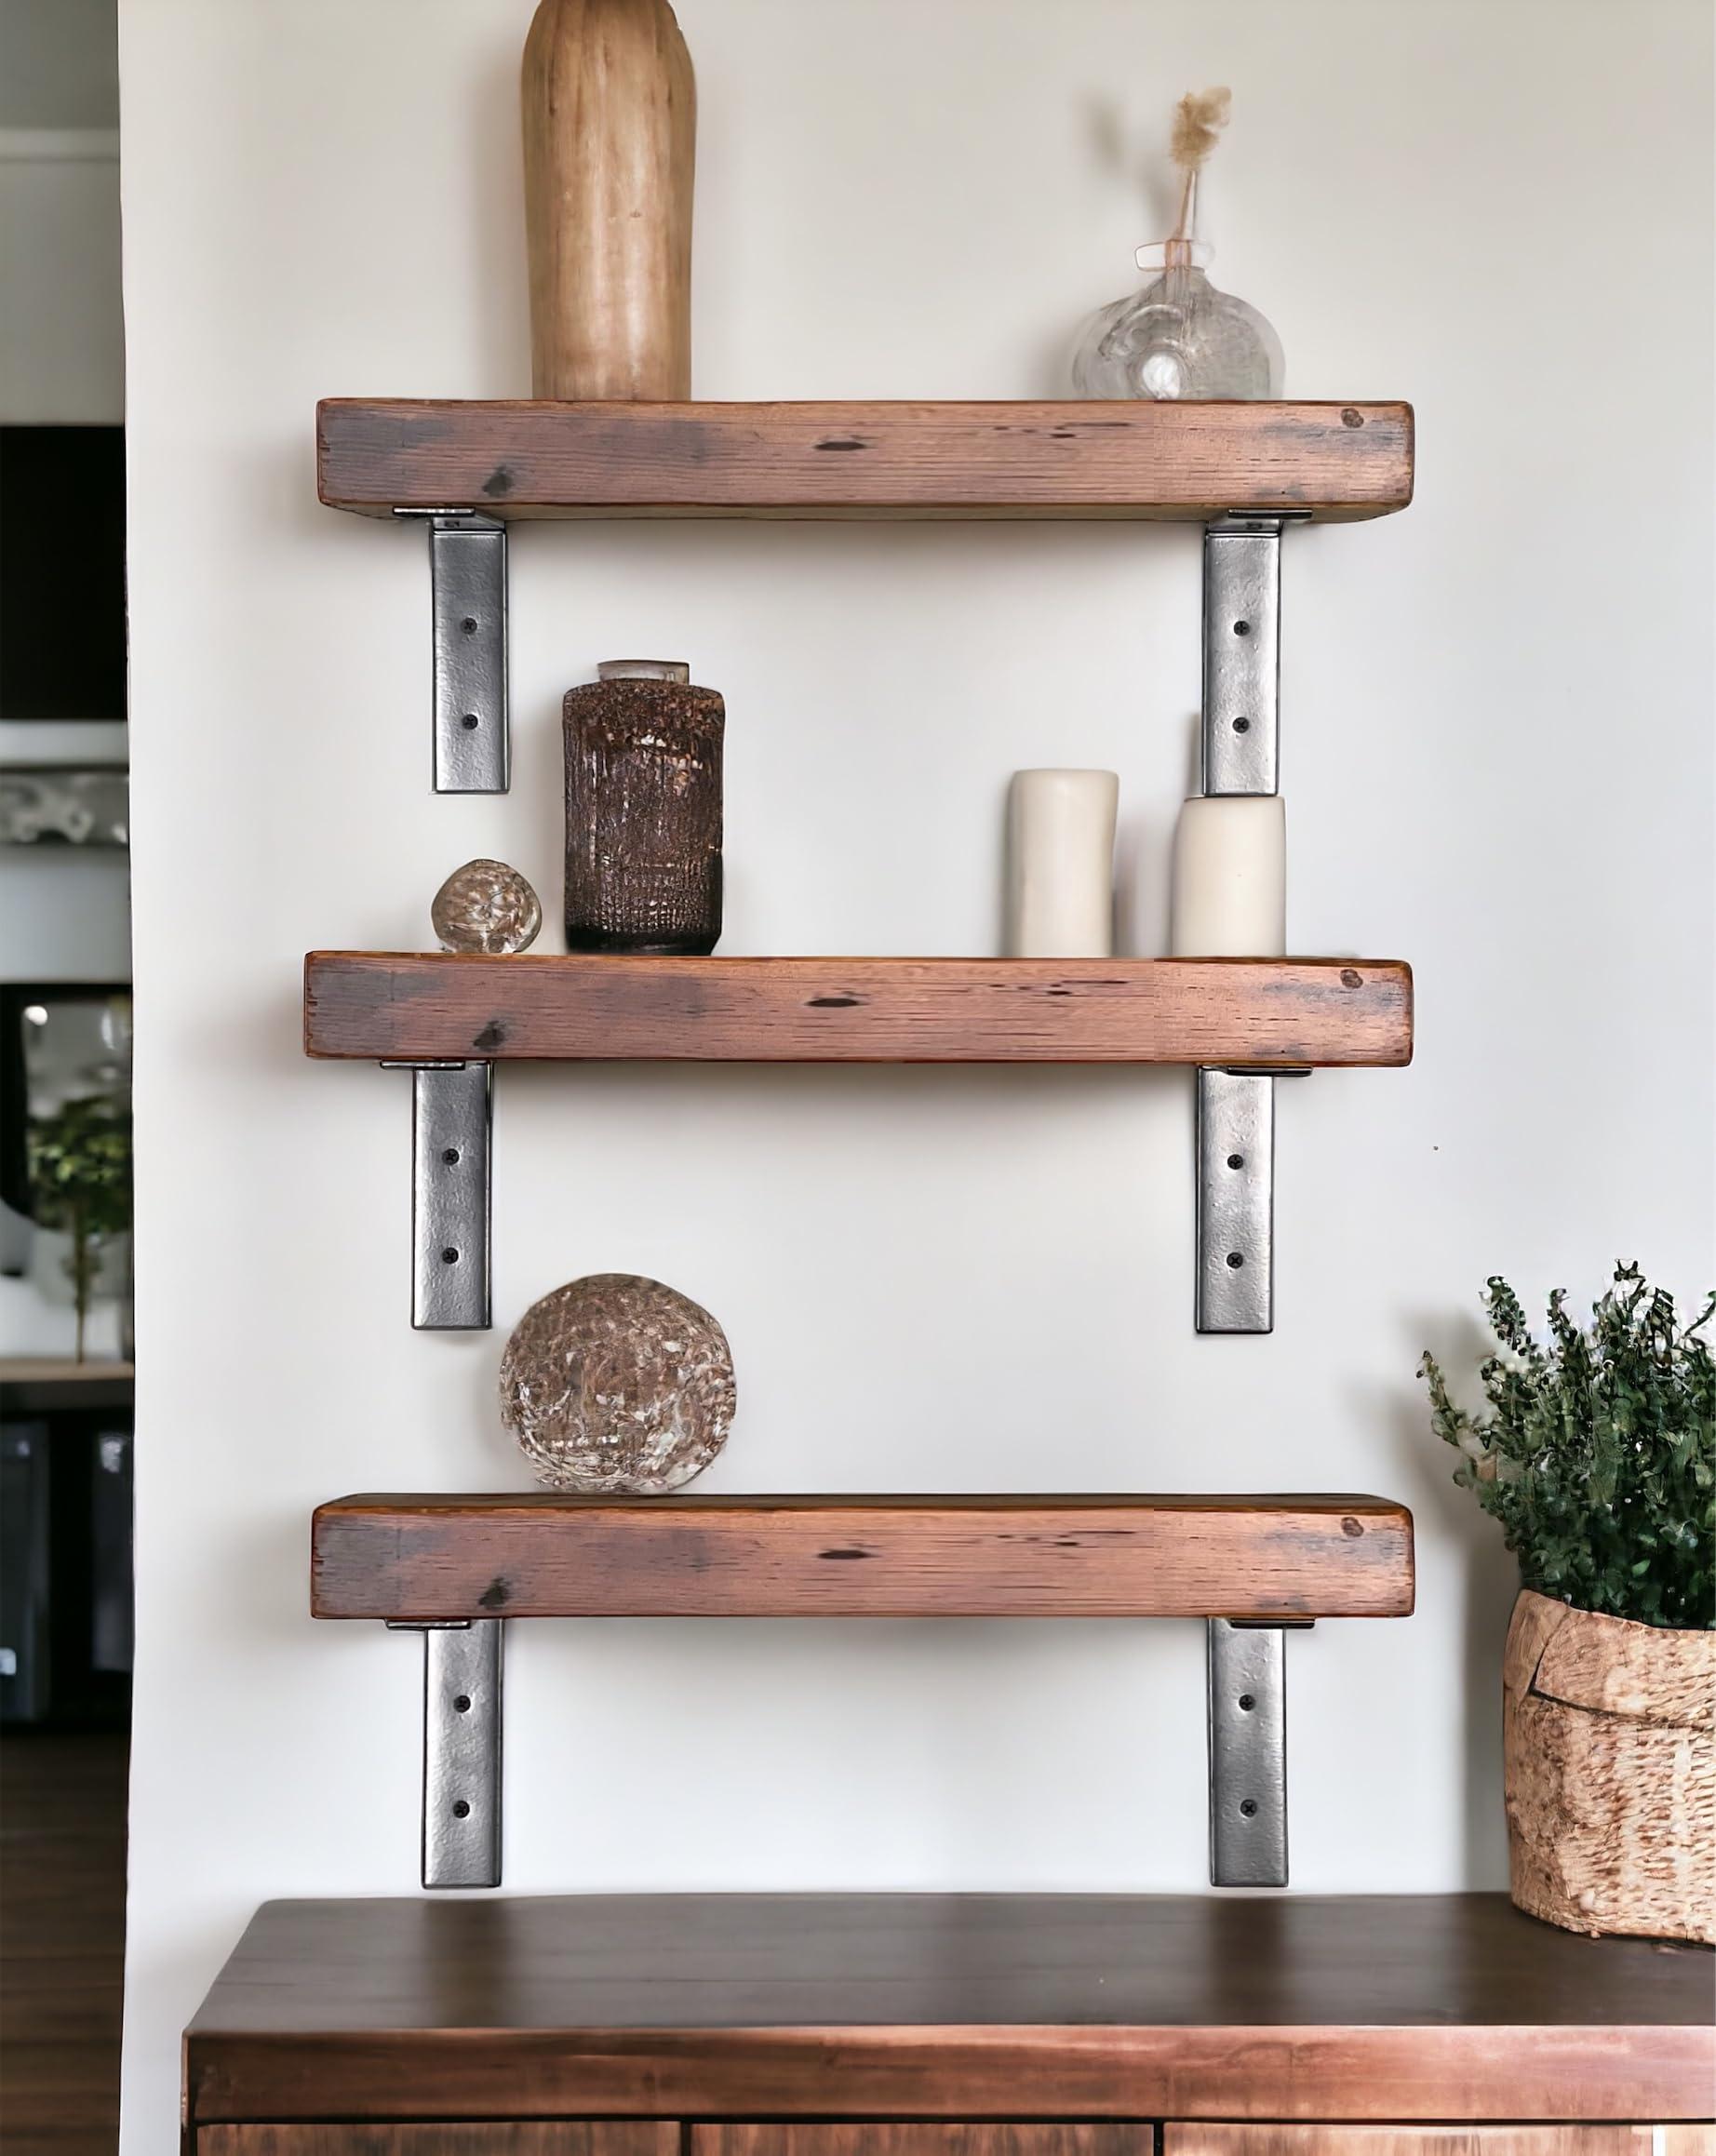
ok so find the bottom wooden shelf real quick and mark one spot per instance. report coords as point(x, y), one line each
point(544, 1555)
point(1308, 2008)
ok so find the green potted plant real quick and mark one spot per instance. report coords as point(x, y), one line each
point(80, 1177)
point(1598, 1456)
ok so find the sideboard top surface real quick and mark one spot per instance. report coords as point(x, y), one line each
point(1378, 2006)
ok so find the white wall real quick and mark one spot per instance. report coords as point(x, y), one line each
point(1498, 759)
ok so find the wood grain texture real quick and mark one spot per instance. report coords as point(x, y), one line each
point(922, 2139)
point(1205, 2139)
point(551, 1556)
point(484, 2137)
point(1261, 1014)
point(1186, 462)
point(610, 119)
point(1297, 2007)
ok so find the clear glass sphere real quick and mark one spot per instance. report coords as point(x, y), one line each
point(1179, 338)
point(487, 907)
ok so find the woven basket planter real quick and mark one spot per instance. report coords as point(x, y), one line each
point(1609, 1742)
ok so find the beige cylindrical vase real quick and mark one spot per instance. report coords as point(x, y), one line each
point(610, 139)
point(1230, 877)
point(1609, 1755)
point(1059, 864)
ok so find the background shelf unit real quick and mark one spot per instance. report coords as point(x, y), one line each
point(1256, 1013)
point(1186, 462)
point(447, 1559)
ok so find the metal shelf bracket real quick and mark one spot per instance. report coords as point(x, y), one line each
point(467, 578)
point(1248, 1753)
point(462, 1752)
point(1235, 1289)
point(1235, 1201)
point(452, 1147)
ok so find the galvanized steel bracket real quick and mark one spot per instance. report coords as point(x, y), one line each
point(467, 578)
point(1248, 1753)
point(462, 1752)
point(1235, 1288)
point(452, 1147)
point(1235, 1201)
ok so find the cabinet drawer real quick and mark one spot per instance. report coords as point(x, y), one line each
point(1197, 2140)
point(935, 2138)
point(470, 2138)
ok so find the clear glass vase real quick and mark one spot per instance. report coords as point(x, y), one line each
point(1179, 338)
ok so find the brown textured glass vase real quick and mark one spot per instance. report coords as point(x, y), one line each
point(643, 810)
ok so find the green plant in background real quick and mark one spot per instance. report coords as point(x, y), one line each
point(1598, 1454)
point(80, 1178)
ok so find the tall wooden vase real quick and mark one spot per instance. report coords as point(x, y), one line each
point(610, 141)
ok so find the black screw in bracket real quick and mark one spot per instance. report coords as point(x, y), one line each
point(1241, 628)
point(1241, 726)
point(1248, 1807)
point(469, 625)
point(449, 1256)
point(1236, 1159)
point(462, 1811)
point(470, 722)
point(462, 1704)
point(1246, 1703)
point(1235, 1259)
point(450, 1156)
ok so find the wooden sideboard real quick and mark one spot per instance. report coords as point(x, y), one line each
point(930, 2024)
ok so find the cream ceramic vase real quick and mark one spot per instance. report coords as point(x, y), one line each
point(1609, 1748)
point(1060, 864)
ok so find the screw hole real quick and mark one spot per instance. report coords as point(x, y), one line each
point(1241, 726)
point(449, 1256)
point(1248, 1807)
point(469, 625)
point(1236, 1259)
point(1241, 628)
point(470, 722)
point(1236, 1159)
point(462, 1704)
point(462, 1811)
point(1246, 1703)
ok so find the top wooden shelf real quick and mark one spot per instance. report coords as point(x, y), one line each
point(1186, 462)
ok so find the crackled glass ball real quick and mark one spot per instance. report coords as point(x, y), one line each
point(486, 906)
point(617, 1386)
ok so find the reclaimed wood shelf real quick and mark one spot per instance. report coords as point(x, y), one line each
point(1273, 1013)
point(437, 1558)
point(1153, 2008)
point(1190, 463)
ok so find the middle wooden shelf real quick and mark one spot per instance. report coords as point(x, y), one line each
point(1252, 1013)
point(1263, 1558)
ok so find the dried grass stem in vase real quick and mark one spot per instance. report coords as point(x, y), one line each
point(1180, 339)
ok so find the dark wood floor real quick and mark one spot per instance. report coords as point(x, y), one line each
point(63, 1811)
